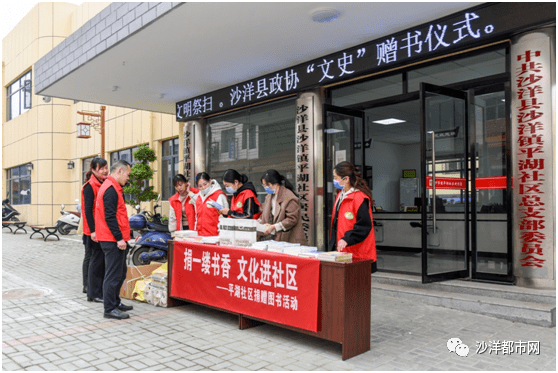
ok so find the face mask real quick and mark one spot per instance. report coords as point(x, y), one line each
point(205, 191)
point(269, 190)
point(230, 190)
point(336, 184)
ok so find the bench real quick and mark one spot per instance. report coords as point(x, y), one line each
point(18, 224)
point(50, 230)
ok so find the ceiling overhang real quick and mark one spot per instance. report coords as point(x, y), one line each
point(195, 48)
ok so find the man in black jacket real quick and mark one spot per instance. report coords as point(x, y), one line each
point(113, 232)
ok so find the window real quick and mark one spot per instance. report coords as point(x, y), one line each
point(19, 185)
point(128, 156)
point(86, 165)
point(169, 167)
point(19, 96)
point(125, 154)
point(252, 141)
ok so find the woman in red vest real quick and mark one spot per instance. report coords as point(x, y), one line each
point(182, 212)
point(351, 225)
point(209, 201)
point(244, 202)
point(94, 261)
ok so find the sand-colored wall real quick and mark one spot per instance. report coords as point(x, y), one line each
point(46, 135)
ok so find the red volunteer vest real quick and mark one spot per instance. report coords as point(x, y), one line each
point(96, 185)
point(237, 204)
point(207, 216)
point(346, 220)
point(188, 207)
point(103, 232)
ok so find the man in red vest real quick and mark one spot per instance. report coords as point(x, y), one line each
point(113, 232)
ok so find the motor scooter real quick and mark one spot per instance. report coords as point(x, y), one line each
point(8, 212)
point(69, 219)
point(152, 244)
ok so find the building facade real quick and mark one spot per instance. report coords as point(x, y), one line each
point(451, 123)
point(43, 161)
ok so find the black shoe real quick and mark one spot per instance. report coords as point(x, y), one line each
point(96, 300)
point(85, 289)
point(116, 314)
point(123, 307)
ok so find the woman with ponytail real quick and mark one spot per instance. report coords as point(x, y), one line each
point(244, 202)
point(281, 209)
point(351, 225)
point(94, 261)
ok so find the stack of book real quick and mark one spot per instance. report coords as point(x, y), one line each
point(259, 246)
point(183, 235)
point(335, 256)
point(211, 240)
point(314, 254)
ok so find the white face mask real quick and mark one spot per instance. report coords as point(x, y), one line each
point(205, 191)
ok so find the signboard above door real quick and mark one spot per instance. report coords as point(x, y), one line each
point(475, 26)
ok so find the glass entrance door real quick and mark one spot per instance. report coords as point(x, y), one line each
point(445, 182)
point(343, 141)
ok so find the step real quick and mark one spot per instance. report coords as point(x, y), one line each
point(547, 296)
point(534, 313)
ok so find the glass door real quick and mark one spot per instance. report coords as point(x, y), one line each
point(343, 141)
point(445, 182)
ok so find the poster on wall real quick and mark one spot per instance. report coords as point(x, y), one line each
point(340, 156)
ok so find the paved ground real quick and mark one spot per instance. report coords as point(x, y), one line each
point(52, 327)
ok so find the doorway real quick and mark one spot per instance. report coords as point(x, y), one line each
point(439, 160)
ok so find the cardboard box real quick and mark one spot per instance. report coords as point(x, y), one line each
point(134, 274)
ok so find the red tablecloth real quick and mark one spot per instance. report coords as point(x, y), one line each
point(272, 286)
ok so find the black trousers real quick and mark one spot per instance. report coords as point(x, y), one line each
point(115, 274)
point(86, 260)
point(96, 274)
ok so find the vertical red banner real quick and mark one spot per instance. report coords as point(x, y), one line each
point(533, 110)
point(272, 286)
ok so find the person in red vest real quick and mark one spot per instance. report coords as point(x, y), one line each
point(94, 261)
point(244, 202)
point(113, 232)
point(209, 201)
point(182, 212)
point(351, 224)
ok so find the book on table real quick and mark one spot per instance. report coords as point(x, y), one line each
point(335, 256)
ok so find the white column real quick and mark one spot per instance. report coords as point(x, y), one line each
point(533, 125)
point(194, 149)
point(309, 164)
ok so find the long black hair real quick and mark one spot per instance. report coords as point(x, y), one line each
point(96, 162)
point(345, 169)
point(274, 177)
point(231, 175)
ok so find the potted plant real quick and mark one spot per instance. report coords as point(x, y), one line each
point(141, 173)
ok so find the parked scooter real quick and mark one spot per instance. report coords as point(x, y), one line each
point(69, 219)
point(8, 212)
point(152, 244)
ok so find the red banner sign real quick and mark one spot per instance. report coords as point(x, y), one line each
point(446, 183)
point(482, 183)
point(272, 286)
point(491, 182)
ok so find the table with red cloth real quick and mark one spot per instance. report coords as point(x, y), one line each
point(329, 300)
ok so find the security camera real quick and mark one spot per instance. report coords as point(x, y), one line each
point(46, 99)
